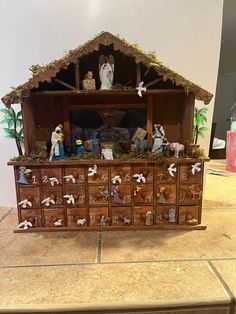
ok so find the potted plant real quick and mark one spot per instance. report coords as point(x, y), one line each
point(14, 127)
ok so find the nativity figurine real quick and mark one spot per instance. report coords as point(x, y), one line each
point(106, 71)
point(158, 136)
point(88, 82)
point(57, 149)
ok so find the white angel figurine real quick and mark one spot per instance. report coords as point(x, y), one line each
point(106, 71)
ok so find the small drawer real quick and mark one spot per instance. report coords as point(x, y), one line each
point(52, 197)
point(51, 176)
point(191, 173)
point(144, 216)
point(143, 194)
point(140, 172)
point(166, 215)
point(121, 216)
point(76, 217)
point(54, 218)
point(74, 175)
point(97, 174)
point(74, 195)
point(120, 175)
point(166, 194)
point(98, 217)
point(190, 194)
point(33, 216)
point(189, 215)
point(26, 176)
point(29, 197)
point(166, 173)
point(98, 195)
point(121, 195)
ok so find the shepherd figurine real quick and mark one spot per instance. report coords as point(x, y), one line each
point(158, 136)
point(57, 149)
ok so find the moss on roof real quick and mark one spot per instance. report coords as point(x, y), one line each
point(47, 72)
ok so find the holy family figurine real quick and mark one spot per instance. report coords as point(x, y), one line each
point(57, 150)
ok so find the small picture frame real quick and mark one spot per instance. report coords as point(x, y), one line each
point(139, 134)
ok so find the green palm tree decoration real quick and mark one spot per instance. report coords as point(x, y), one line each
point(200, 120)
point(14, 127)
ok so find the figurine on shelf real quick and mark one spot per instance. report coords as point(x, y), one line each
point(116, 195)
point(88, 82)
point(107, 154)
point(126, 220)
point(106, 71)
point(158, 136)
point(171, 215)
point(58, 222)
point(177, 148)
point(23, 172)
point(25, 224)
point(79, 149)
point(149, 218)
point(81, 222)
point(57, 149)
point(102, 221)
point(161, 195)
point(138, 195)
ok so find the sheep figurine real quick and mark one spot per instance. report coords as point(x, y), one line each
point(126, 221)
point(81, 222)
point(177, 148)
point(58, 222)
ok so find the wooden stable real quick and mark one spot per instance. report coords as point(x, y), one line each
point(53, 96)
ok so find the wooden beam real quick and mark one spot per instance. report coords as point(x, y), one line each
point(138, 73)
point(149, 119)
point(66, 123)
point(29, 127)
point(108, 106)
point(64, 83)
point(153, 82)
point(77, 77)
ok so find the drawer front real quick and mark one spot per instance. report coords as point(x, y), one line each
point(190, 194)
point(120, 175)
point(166, 215)
point(98, 195)
point(76, 217)
point(51, 176)
point(144, 216)
point(54, 217)
point(74, 175)
point(101, 175)
point(189, 215)
point(143, 194)
point(166, 173)
point(121, 195)
point(26, 176)
point(121, 216)
point(145, 171)
point(74, 195)
point(191, 173)
point(98, 217)
point(30, 194)
point(52, 197)
point(166, 194)
point(33, 216)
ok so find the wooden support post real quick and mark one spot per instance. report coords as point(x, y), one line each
point(77, 77)
point(138, 73)
point(187, 119)
point(149, 119)
point(66, 121)
point(29, 129)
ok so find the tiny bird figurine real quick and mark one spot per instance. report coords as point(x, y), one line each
point(70, 199)
point(53, 181)
point(69, 178)
point(92, 171)
point(48, 201)
point(116, 179)
point(141, 89)
point(25, 224)
point(25, 203)
point(172, 168)
point(139, 177)
point(196, 167)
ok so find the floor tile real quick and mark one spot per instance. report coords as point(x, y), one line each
point(44, 247)
point(162, 283)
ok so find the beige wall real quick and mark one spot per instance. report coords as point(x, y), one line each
point(184, 33)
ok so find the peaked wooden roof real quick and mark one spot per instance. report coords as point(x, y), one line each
point(48, 72)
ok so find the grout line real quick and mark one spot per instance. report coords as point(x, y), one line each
point(6, 214)
point(99, 248)
point(99, 256)
point(225, 285)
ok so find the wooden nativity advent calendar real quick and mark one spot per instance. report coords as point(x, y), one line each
point(108, 143)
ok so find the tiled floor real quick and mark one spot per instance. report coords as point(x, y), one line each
point(152, 271)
